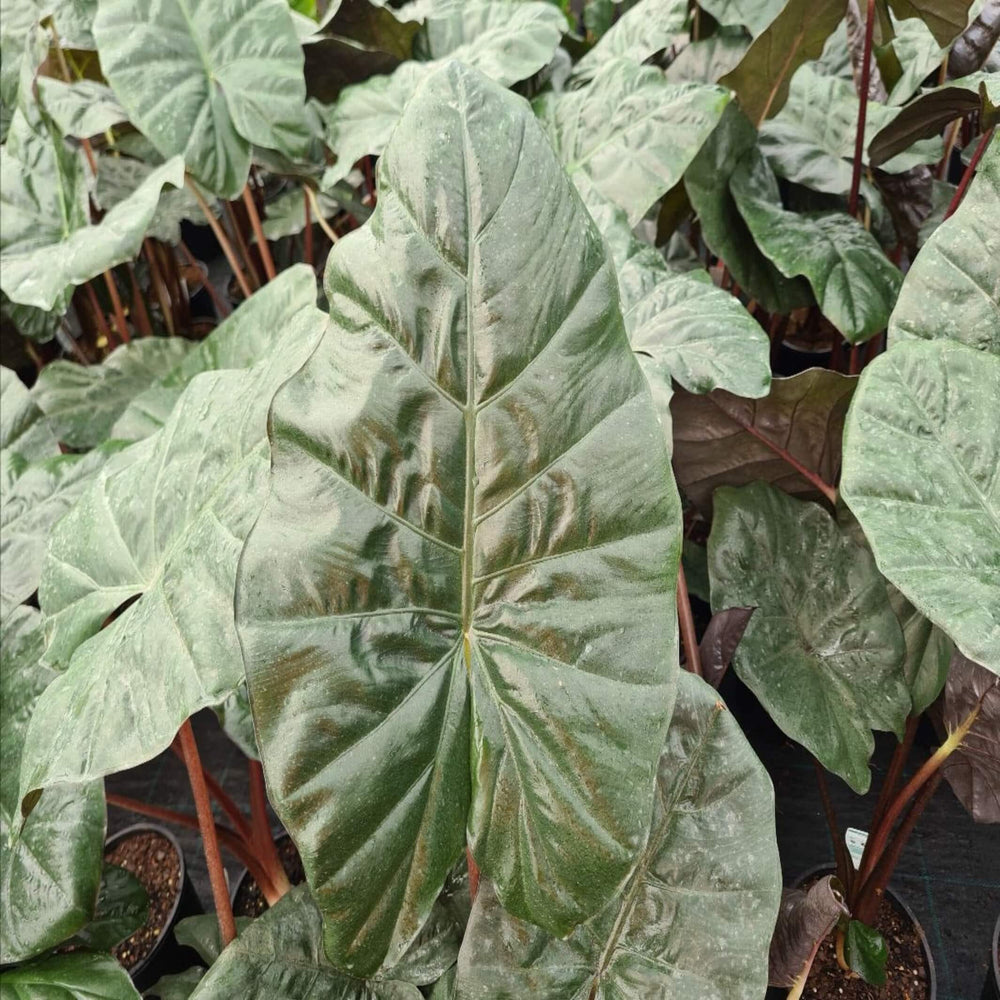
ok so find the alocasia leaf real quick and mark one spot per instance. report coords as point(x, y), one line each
point(205, 79)
point(720, 640)
point(281, 953)
point(710, 58)
point(78, 976)
point(693, 921)
point(50, 867)
point(795, 36)
point(854, 282)
point(157, 539)
point(80, 109)
point(928, 652)
point(506, 39)
point(639, 33)
point(953, 288)
point(201, 933)
point(723, 440)
point(725, 232)
point(823, 651)
point(630, 133)
point(177, 986)
point(919, 54)
point(243, 339)
point(23, 428)
point(82, 402)
point(805, 918)
point(122, 908)
point(945, 18)
point(973, 770)
point(451, 624)
point(866, 952)
point(754, 15)
point(921, 453)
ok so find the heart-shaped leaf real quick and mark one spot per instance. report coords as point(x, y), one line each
point(51, 865)
point(630, 134)
point(754, 15)
point(921, 453)
point(205, 79)
point(866, 952)
point(78, 976)
point(953, 288)
point(823, 651)
point(693, 921)
point(418, 621)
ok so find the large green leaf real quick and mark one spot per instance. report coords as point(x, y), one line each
point(23, 428)
point(823, 652)
point(723, 228)
point(122, 908)
point(811, 140)
point(953, 288)
point(32, 504)
point(854, 282)
point(755, 15)
point(205, 79)
point(281, 954)
point(80, 109)
point(506, 39)
point(708, 59)
point(921, 453)
point(723, 440)
point(919, 55)
point(444, 572)
point(79, 976)
point(82, 402)
point(693, 921)
point(630, 134)
point(795, 36)
point(156, 538)
point(945, 18)
point(642, 31)
point(50, 868)
point(243, 339)
point(928, 652)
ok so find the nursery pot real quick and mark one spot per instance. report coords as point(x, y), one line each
point(171, 896)
point(779, 993)
point(991, 988)
point(246, 902)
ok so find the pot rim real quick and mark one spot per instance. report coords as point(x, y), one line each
point(244, 873)
point(830, 869)
point(124, 834)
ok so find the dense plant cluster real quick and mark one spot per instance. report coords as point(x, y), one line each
point(622, 303)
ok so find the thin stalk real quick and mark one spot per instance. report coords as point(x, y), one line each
point(116, 303)
point(949, 145)
point(859, 139)
point(210, 842)
point(318, 212)
point(845, 870)
point(159, 285)
point(226, 804)
point(692, 656)
point(176, 286)
point(139, 304)
point(99, 317)
point(899, 758)
point(258, 231)
point(970, 171)
point(220, 306)
point(262, 839)
point(473, 875)
point(223, 240)
point(241, 243)
point(307, 233)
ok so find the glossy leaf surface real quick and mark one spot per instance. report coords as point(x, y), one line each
point(80, 109)
point(49, 875)
point(122, 908)
point(854, 282)
point(866, 952)
point(693, 922)
point(722, 440)
point(921, 453)
point(630, 133)
point(928, 653)
point(79, 976)
point(281, 954)
point(823, 651)
point(953, 288)
point(156, 538)
point(204, 79)
point(446, 565)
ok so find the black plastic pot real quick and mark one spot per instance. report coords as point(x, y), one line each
point(167, 955)
point(791, 360)
point(779, 993)
point(991, 988)
point(244, 876)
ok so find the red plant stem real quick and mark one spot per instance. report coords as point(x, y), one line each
point(258, 231)
point(473, 875)
point(177, 285)
point(845, 870)
point(139, 304)
point(220, 306)
point(210, 842)
point(159, 285)
point(220, 236)
point(899, 758)
point(228, 806)
point(859, 139)
point(262, 840)
point(865, 907)
point(692, 657)
point(879, 835)
point(952, 135)
point(227, 838)
point(234, 224)
point(970, 171)
point(307, 233)
point(99, 317)
point(116, 303)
